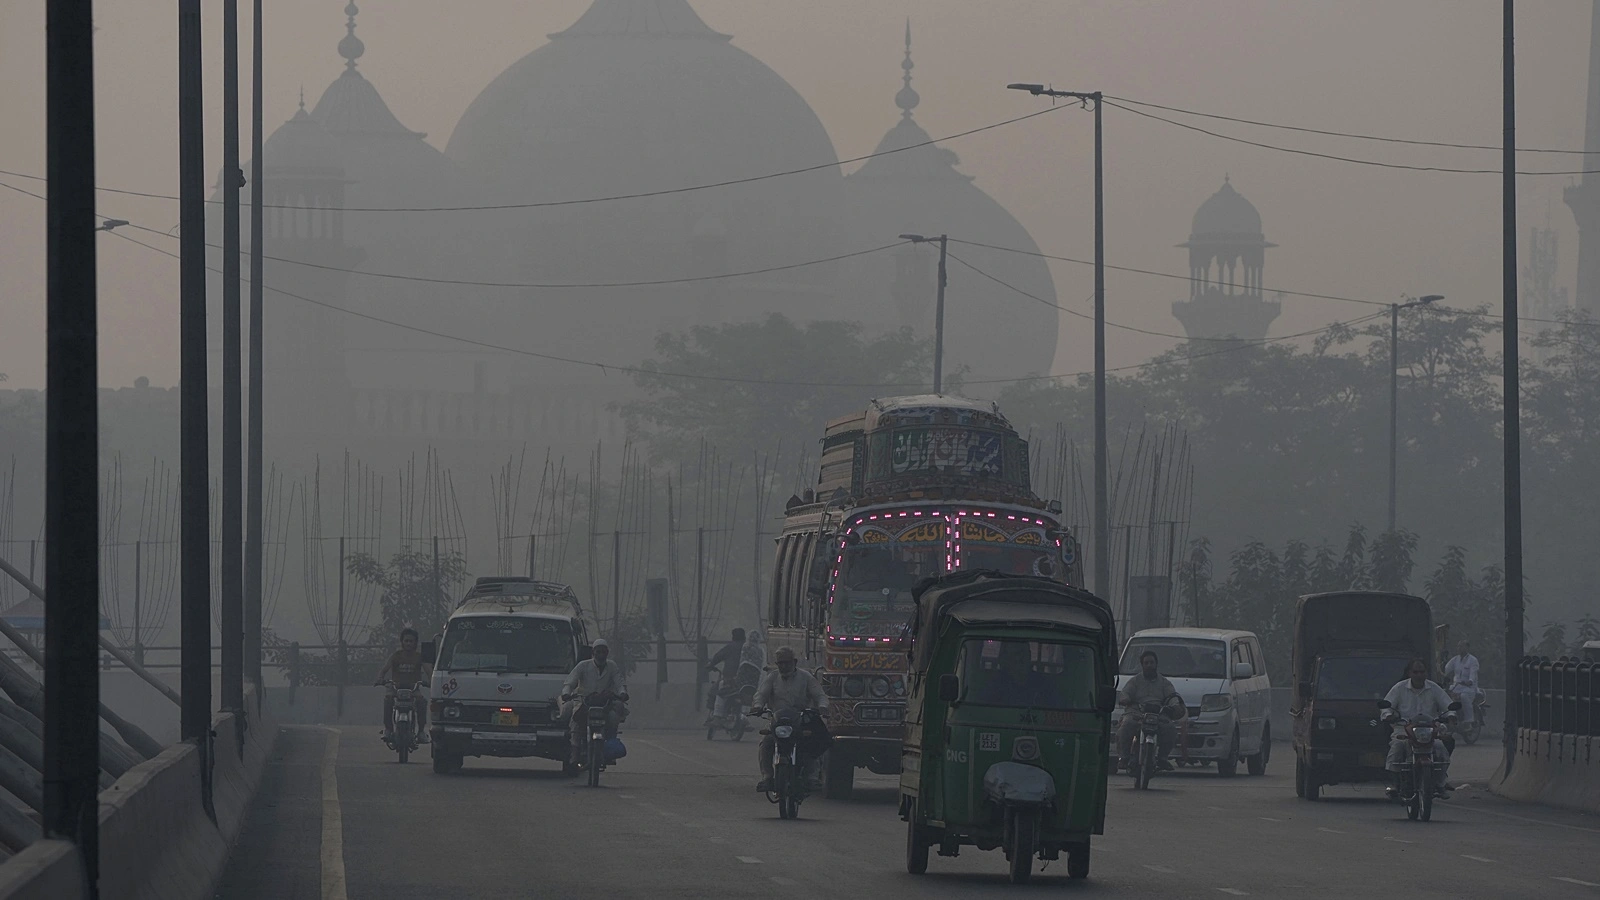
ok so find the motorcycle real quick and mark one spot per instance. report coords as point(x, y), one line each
point(1472, 729)
point(1418, 777)
point(403, 739)
point(736, 696)
point(795, 736)
point(594, 741)
point(1145, 754)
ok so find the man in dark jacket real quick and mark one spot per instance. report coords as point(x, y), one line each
point(726, 661)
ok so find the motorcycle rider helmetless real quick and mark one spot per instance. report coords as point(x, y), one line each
point(1462, 670)
point(788, 687)
point(595, 675)
point(1417, 697)
point(1149, 685)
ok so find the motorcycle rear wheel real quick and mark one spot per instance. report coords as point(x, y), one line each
point(402, 741)
point(783, 784)
point(1425, 794)
point(593, 764)
point(1144, 767)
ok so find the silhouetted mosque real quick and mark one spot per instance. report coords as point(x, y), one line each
point(636, 97)
point(1227, 253)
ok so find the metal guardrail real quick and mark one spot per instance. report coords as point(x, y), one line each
point(1560, 696)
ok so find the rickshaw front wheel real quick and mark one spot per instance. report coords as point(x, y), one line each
point(1078, 860)
point(1022, 846)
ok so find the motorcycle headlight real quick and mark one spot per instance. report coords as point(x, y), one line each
point(1326, 724)
point(855, 686)
point(1422, 734)
point(1216, 703)
point(783, 731)
point(879, 687)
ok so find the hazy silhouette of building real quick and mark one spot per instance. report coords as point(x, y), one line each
point(1584, 197)
point(1227, 253)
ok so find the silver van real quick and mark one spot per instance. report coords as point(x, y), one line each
point(1222, 678)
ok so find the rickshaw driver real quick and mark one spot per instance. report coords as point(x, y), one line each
point(1016, 683)
point(790, 687)
point(1148, 686)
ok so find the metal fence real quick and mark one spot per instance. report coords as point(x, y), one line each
point(1560, 695)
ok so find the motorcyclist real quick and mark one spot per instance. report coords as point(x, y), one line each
point(595, 675)
point(1149, 686)
point(788, 687)
point(405, 668)
point(1415, 697)
point(725, 661)
point(1462, 670)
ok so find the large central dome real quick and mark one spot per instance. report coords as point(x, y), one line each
point(642, 96)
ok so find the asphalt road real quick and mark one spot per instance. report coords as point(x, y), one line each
point(679, 818)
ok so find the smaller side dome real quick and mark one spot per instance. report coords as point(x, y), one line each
point(1227, 212)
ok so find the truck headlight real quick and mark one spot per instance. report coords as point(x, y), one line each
point(879, 687)
point(1326, 724)
point(855, 686)
point(1216, 703)
point(453, 711)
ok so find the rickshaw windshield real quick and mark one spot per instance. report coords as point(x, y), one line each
point(1031, 674)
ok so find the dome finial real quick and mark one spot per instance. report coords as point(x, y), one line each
point(907, 99)
point(350, 46)
point(302, 98)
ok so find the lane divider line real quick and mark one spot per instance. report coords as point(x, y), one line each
point(1234, 891)
point(1576, 881)
point(1168, 870)
point(748, 859)
point(1333, 831)
point(333, 884)
point(1476, 858)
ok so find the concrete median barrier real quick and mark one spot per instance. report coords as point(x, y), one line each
point(157, 839)
point(1554, 769)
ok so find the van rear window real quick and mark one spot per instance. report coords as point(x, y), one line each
point(507, 644)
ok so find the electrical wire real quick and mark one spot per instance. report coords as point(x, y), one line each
point(1344, 134)
point(1333, 156)
point(640, 195)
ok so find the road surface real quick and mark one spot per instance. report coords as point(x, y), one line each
point(338, 819)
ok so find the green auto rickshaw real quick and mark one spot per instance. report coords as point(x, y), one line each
point(1008, 726)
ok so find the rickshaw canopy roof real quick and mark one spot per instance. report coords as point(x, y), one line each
point(990, 598)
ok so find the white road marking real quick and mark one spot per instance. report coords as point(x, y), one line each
point(626, 796)
point(1165, 869)
point(1398, 841)
point(1333, 831)
point(1217, 809)
point(1234, 891)
point(332, 822)
point(748, 859)
point(784, 882)
point(1476, 858)
point(1576, 881)
point(1268, 819)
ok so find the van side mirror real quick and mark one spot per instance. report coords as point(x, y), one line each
point(1106, 698)
point(1243, 670)
point(584, 652)
point(949, 688)
point(430, 652)
point(1454, 706)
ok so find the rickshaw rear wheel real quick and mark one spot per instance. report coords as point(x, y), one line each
point(1022, 847)
point(1077, 860)
point(916, 847)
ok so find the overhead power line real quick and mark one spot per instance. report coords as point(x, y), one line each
point(1345, 134)
point(640, 195)
point(1333, 156)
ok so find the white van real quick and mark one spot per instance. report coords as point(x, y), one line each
point(498, 671)
point(1223, 681)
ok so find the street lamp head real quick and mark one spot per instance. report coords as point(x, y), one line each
point(914, 238)
point(1430, 298)
point(1034, 89)
point(109, 224)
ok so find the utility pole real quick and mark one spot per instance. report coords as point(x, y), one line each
point(72, 442)
point(1513, 400)
point(232, 375)
point(194, 459)
point(1102, 501)
point(339, 633)
point(938, 315)
point(1394, 396)
point(255, 525)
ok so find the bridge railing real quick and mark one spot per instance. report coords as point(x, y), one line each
point(1561, 696)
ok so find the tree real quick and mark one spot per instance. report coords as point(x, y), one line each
point(757, 385)
point(414, 593)
point(1554, 643)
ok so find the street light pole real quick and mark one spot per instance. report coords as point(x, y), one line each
point(1394, 394)
point(938, 315)
point(1512, 402)
point(253, 501)
point(1102, 501)
point(232, 632)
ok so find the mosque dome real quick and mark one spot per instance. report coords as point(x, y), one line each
point(1227, 213)
point(641, 96)
point(916, 187)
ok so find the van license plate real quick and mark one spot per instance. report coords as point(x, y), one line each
point(507, 718)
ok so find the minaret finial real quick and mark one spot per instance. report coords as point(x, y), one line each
point(302, 98)
point(908, 98)
point(350, 46)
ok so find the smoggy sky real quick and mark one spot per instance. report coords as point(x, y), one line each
point(1423, 69)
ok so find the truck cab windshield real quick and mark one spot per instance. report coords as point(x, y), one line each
point(875, 582)
point(507, 644)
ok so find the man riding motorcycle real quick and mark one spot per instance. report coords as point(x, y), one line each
point(406, 669)
point(1462, 670)
point(726, 661)
point(789, 687)
point(595, 675)
point(1412, 698)
point(1149, 686)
